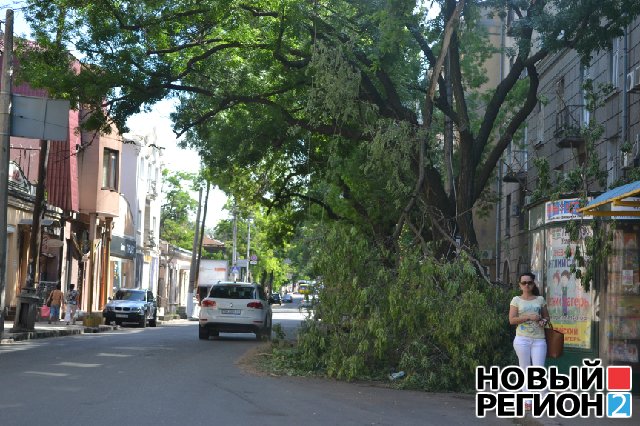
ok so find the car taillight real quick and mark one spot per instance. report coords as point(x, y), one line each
point(255, 305)
point(208, 303)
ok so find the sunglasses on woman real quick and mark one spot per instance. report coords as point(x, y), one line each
point(526, 282)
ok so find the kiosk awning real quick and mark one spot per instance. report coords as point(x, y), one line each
point(620, 201)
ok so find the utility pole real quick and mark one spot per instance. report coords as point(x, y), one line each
point(202, 230)
point(26, 309)
point(248, 247)
point(234, 255)
point(194, 261)
point(5, 148)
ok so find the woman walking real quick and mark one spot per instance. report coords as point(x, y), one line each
point(529, 312)
point(56, 298)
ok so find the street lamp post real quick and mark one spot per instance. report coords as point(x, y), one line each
point(5, 145)
point(234, 255)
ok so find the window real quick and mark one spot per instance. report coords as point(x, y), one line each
point(540, 124)
point(560, 104)
point(232, 292)
point(614, 55)
point(522, 223)
point(585, 74)
point(507, 222)
point(110, 169)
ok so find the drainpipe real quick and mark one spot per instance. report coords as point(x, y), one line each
point(498, 220)
point(625, 94)
point(503, 42)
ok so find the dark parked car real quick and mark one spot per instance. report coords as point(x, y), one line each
point(131, 305)
point(275, 297)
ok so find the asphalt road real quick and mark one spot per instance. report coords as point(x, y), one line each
point(167, 376)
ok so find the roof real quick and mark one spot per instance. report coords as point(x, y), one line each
point(617, 200)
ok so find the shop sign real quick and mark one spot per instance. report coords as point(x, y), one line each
point(560, 210)
point(569, 306)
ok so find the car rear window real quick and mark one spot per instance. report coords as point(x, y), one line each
point(232, 292)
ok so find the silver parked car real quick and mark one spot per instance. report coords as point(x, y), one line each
point(132, 306)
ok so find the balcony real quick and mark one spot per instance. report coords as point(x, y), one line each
point(569, 125)
point(512, 176)
point(149, 241)
point(152, 191)
point(516, 167)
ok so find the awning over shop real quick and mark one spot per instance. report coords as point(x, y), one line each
point(620, 201)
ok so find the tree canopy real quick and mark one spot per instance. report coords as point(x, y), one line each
point(331, 109)
point(176, 226)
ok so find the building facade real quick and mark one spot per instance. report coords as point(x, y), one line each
point(142, 158)
point(563, 139)
point(173, 282)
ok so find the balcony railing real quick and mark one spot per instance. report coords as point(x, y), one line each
point(569, 125)
point(516, 167)
point(150, 241)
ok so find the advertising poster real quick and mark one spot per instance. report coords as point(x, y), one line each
point(625, 352)
point(537, 257)
point(562, 210)
point(630, 264)
point(568, 304)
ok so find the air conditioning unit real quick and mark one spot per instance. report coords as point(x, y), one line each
point(632, 82)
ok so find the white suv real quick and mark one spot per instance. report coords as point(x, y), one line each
point(235, 307)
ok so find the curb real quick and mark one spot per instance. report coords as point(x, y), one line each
point(59, 332)
point(43, 334)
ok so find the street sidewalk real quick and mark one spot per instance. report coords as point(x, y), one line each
point(43, 329)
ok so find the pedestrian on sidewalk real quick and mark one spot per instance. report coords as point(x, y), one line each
point(529, 312)
point(56, 297)
point(72, 304)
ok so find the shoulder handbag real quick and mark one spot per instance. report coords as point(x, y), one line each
point(555, 341)
point(49, 300)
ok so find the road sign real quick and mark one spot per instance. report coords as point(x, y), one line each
point(254, 257)
point(235, 270)
point(253, 262)
point(40, 118)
